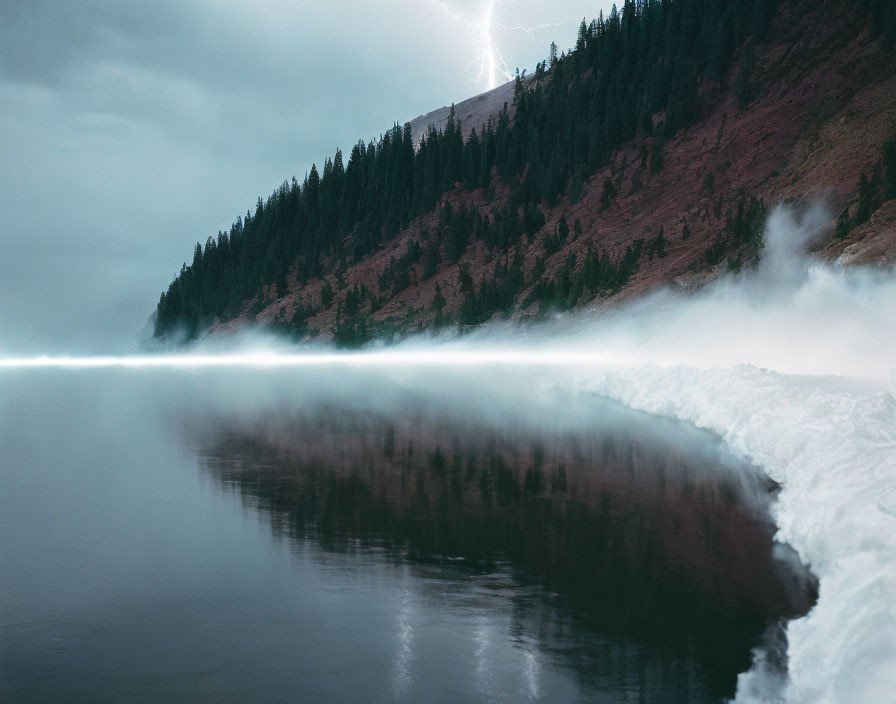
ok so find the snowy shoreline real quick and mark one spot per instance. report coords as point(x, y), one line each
point(834, 452)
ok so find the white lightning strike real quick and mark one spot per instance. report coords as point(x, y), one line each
point(397, 358)
point(490, 51)
point(490, 64)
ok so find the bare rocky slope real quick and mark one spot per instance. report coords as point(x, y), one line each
point(472, 112)
point(825, 104)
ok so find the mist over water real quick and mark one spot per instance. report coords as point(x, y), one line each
point(795, 366)
point(791, 364)
point(791, 314)
point(293, 535)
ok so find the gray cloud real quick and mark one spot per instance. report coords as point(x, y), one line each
point(132, 130)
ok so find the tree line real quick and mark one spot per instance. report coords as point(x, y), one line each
point(626, 68)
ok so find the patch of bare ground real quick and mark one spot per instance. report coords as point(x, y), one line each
point(828, 105)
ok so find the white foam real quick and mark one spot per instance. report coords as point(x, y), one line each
point(770, 362)
point(835, 454)
point(793, 366)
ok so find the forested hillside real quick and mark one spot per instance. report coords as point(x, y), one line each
point(565, 195)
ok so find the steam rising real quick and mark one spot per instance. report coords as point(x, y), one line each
point(792, 363)
point(829, 438)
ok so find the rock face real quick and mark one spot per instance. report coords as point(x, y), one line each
point(826, 105)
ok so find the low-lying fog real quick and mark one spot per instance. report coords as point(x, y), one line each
point(791, 364)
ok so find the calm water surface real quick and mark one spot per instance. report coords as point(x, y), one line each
point(175, 536)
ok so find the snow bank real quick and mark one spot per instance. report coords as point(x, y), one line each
point(835, 454)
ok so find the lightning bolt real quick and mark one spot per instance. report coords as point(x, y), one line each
point(489, 64)
point(491, 52)
point(531, 30)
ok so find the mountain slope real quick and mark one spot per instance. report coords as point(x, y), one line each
point(798, 106)
point(472, 112)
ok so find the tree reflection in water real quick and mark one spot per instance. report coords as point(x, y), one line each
point(639, 552)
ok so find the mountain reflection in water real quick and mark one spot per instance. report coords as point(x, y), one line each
point(634, 552)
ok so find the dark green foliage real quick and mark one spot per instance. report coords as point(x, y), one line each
point(438, 305)
point(714, 253)
point(743, 226)
point(494, 295)
point(883, 18)
point(351, 331)
point(455, 230)
point(867, 203)
point(355, 298)
point(735, 263)
point(353, 327)
point(575, 189)
point(685, 233)
point(296, 327)
point(763, 12)
point(889, 154)
point(656, 156)
point(533, 219)
point(397, 275)
point(625, 68)
point(743, 87)
point(257, 306)
point(599, 275)
point(559, 293)
point(326, 294)
point(431, 258)
point(563, 229)
point(843, 224)
point(872, 193)
point(608, 195)
point(746, 222)
point(657, 245)
point(282, 287)
point(554, 241)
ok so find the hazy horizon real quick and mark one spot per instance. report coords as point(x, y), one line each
point(131, 133)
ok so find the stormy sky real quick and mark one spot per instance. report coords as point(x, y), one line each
point(128, 131)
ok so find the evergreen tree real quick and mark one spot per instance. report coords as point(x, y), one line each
point(626, 67)
point(743, 87)
point(889, 155)
point(608, 195)
point(866, 202)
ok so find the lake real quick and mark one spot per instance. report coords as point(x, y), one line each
point(213, 535)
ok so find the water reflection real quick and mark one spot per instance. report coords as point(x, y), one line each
point(634, 553)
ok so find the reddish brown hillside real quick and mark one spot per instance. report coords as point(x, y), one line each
point(825, 104)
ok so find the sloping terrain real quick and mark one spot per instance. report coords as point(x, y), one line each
point(822, 105)
point(472, 112)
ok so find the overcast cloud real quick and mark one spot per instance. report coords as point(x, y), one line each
point(128, 131)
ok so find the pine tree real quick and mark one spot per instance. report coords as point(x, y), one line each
point(608, 195)
point(743, 87)
point(626, 67)
point(438, 305)
point(575, 189)
point(866, 202)
point(889, 155)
